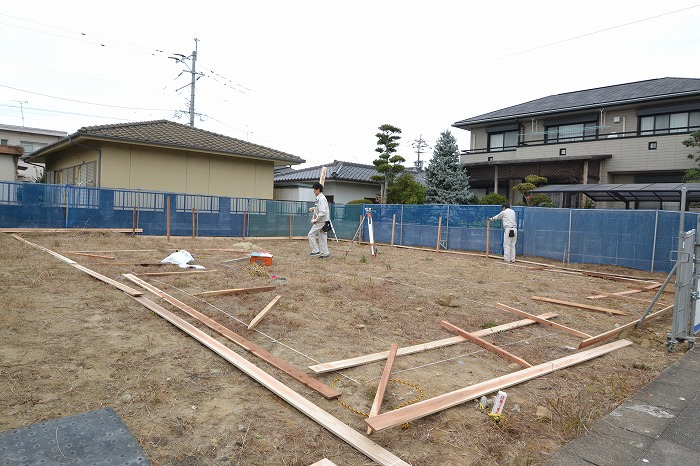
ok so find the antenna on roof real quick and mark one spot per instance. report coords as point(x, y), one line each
point(420, 145)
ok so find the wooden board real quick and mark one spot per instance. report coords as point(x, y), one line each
point(580, 306)
point(323, 418)
point(262, 313)
point(275, 361)
point(542, 321)
point(485, 344)
point(64, 230)
point(442, 402)
point(92, 255)
point(254, 289)
point(156, 274)
point(617, 330)
point(383, 382)
point(90, 272)
point(359, 360)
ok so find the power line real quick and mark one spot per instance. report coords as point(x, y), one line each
point(85, 103)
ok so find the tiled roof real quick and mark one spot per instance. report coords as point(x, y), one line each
point(170, 134)
point(338, 171)
point(620, 94)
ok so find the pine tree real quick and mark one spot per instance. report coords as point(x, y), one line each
point(447, 182)
point(389, 163)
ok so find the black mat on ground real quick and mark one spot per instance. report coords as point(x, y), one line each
point(95, 437)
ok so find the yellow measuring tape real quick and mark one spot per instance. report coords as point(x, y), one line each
point(357, 411)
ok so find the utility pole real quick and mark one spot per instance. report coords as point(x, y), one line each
point(420, 145)
point(179, 58)
point(21, 108)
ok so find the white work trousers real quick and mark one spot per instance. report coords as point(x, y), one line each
point(509, 244)
point(316, 233)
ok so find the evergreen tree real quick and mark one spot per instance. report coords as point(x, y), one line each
point(389, 163)
point(447, 182)
point(406, 190)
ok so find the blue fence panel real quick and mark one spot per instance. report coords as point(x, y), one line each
point(645, 240)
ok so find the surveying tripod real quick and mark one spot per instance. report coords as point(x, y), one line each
point(358, 234)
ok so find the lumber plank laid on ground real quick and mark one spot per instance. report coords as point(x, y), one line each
point(442, 402)
point(618, 278)
point(617, 330)
point(156, 274)
point(333, 425)
point(92, 255)
point(383, 382)
point(538, 319)
point(126, 289)
point(253, 289)
point(275, 361)
point(90, 272)
point(359, 360)
point(618, 293)
point(262, 313)
point(64, 230)
point(580, 306)
point(485, 344)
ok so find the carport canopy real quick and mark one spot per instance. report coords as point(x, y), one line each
point(642, 192)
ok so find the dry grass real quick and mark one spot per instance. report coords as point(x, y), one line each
point(73, 344)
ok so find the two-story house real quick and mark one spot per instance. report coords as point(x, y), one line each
point(31, 140)
point(625, 133)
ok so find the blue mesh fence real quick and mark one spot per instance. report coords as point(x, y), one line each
point(639, 239)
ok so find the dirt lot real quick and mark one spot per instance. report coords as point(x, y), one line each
point(71, 344)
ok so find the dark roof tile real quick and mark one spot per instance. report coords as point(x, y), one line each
point(620, 94)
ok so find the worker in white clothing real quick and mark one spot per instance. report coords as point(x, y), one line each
point(510, 231)
point(321, 214)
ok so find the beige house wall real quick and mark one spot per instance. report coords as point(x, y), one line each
point(156, 169)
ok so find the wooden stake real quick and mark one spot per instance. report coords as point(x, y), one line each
point(393, 225)
point(488, 235)
point(167, 217)
point(383, 381)
point(133, 223)
point(437, 246)
point(485, 344)
point(194, 231)
point(291, 228)
point(262, 313)
point(442, 402)
point(322, 179)
point(245, 220)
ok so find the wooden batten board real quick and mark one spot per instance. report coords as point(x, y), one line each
point(580, 306)
point(254, 289)
point(448, 400)
point(262, 313)
point(324, 462)
point(538, 319)
point(157, 274)
point(92, 255)
point(65, 230)
point(617, 330)
point(383, 382)
point(618, 293)
point(275, 361)
point(359, 360)
point(90, 272)
point(323, 418)
point(485, 344)
point(617, 278)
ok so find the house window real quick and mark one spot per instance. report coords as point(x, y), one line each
point(79, 175)
point(681, 122)
point(504, 140)
point(30, 147)
point(573, 132)
point(652, 145)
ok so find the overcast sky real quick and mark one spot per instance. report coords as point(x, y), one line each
point(316, 78)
